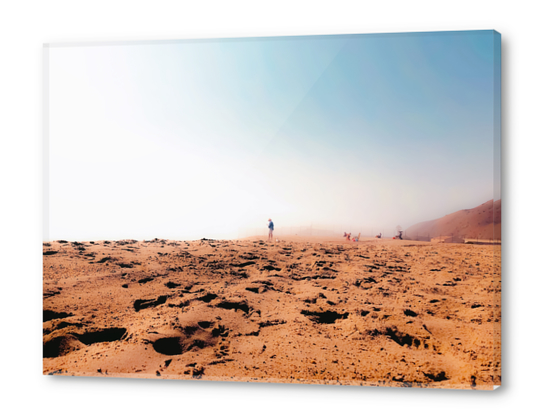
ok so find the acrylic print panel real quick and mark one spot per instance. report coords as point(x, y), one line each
point(315, 209)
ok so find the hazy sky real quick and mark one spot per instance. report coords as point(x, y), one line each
point(192, 139)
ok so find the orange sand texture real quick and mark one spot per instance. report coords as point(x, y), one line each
point(300, 310)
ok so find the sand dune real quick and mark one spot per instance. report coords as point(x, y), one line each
point(302, 310)
point(482, 222)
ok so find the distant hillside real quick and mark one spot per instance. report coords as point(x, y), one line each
point(473, 223)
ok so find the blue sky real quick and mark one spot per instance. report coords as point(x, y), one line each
point(201, 138)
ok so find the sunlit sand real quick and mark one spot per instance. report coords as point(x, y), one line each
point(302, 310)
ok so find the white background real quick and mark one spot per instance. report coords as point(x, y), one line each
point(26, 25)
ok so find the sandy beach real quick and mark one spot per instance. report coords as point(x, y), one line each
point(301, 310)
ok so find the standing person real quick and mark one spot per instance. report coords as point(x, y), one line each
point(271, 228)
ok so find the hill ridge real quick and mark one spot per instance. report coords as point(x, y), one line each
point(481, 222)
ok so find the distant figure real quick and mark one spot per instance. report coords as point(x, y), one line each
point(271, 228)
point(379, 235)
point(399, 230)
